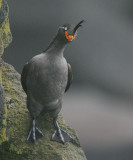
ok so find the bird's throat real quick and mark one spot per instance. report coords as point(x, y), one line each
point(56, 47)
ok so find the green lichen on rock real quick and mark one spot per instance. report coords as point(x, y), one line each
point(19, 123)
point(3, 117)
point(5, 34)
point(5, 39)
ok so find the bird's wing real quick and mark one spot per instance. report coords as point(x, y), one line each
point(23, 77)
point(70, 77)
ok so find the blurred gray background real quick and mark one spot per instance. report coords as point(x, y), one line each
point(101, 97)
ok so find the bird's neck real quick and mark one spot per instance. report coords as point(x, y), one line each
point(56, 47)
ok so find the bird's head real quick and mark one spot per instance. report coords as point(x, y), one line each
point(69, 32)
point(65, 34)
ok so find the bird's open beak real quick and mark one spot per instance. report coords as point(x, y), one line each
point(69, 37)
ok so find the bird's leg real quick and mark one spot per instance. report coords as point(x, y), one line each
point(34, 133)
point(33, 129)
point(60, 135)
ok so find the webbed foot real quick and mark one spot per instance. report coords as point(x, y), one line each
point(34, 133)
point(60, 135)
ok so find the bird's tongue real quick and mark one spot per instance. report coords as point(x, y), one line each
point(69, 37)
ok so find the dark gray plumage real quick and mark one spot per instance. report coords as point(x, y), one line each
point(45, 79)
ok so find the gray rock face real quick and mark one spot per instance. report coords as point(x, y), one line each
point(2, 110)
point(5, 39)
point(9, 102)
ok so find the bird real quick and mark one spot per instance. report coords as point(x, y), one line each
point(45, 78)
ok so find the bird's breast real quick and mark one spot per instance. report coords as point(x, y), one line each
point(51, 79)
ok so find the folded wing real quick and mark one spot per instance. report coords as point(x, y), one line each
point(70, 77)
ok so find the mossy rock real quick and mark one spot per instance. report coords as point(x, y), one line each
point(5, 34)
point(5, 39)
point(19, 123)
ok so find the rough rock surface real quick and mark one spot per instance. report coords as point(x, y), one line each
point(15, 120)
point(5, 39)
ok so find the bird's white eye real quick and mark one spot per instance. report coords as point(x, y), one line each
point(65, 28)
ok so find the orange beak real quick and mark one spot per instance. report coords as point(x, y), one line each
point(69, 37)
